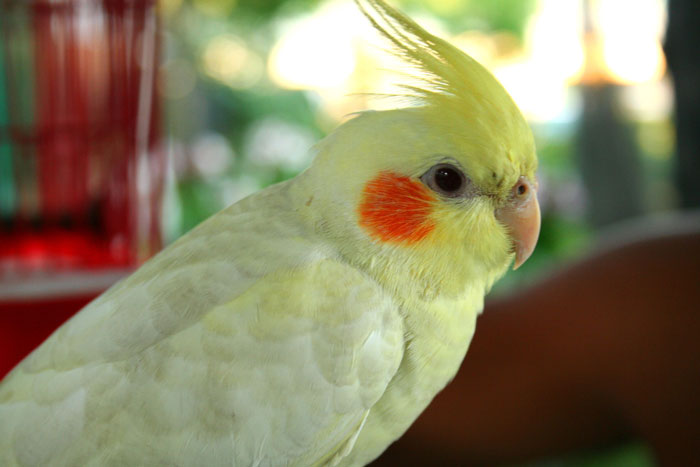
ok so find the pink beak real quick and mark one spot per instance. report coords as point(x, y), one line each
point(522, 218)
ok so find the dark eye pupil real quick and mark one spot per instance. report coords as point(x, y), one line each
point(448, 179)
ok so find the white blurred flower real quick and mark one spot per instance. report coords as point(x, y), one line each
point(274, 142)
point(211, 154)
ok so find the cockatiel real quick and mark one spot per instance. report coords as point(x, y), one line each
point(312, 322)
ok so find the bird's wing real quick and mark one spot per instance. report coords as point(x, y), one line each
point(211, 265)
point(282, 372)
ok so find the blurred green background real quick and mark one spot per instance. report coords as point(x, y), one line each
point(249, 85)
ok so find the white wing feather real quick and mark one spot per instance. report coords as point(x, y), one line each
point(241, 344)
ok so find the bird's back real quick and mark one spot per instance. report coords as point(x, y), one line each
point(209, 349)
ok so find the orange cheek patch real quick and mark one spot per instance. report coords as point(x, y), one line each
point(397, 209)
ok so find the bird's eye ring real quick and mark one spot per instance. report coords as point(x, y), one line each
point(446, 179)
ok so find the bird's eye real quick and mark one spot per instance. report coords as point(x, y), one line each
point(446, 179)
point(521, 190)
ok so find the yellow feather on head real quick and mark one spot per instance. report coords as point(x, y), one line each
point(464, 98)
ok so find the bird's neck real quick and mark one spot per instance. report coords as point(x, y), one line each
point(438, 335)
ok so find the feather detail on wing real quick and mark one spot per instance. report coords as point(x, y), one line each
point(201, 358)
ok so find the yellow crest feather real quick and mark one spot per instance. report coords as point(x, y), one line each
point(466, 97)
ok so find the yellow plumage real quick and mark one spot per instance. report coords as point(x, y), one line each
point(469, 105)
point(312, 322)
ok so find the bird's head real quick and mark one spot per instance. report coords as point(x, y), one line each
point(447, 188)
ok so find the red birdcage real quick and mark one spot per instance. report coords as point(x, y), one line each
point(81, 165)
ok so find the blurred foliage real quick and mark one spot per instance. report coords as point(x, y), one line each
point(502, 15)
point(633, 455)
point(628, 455)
